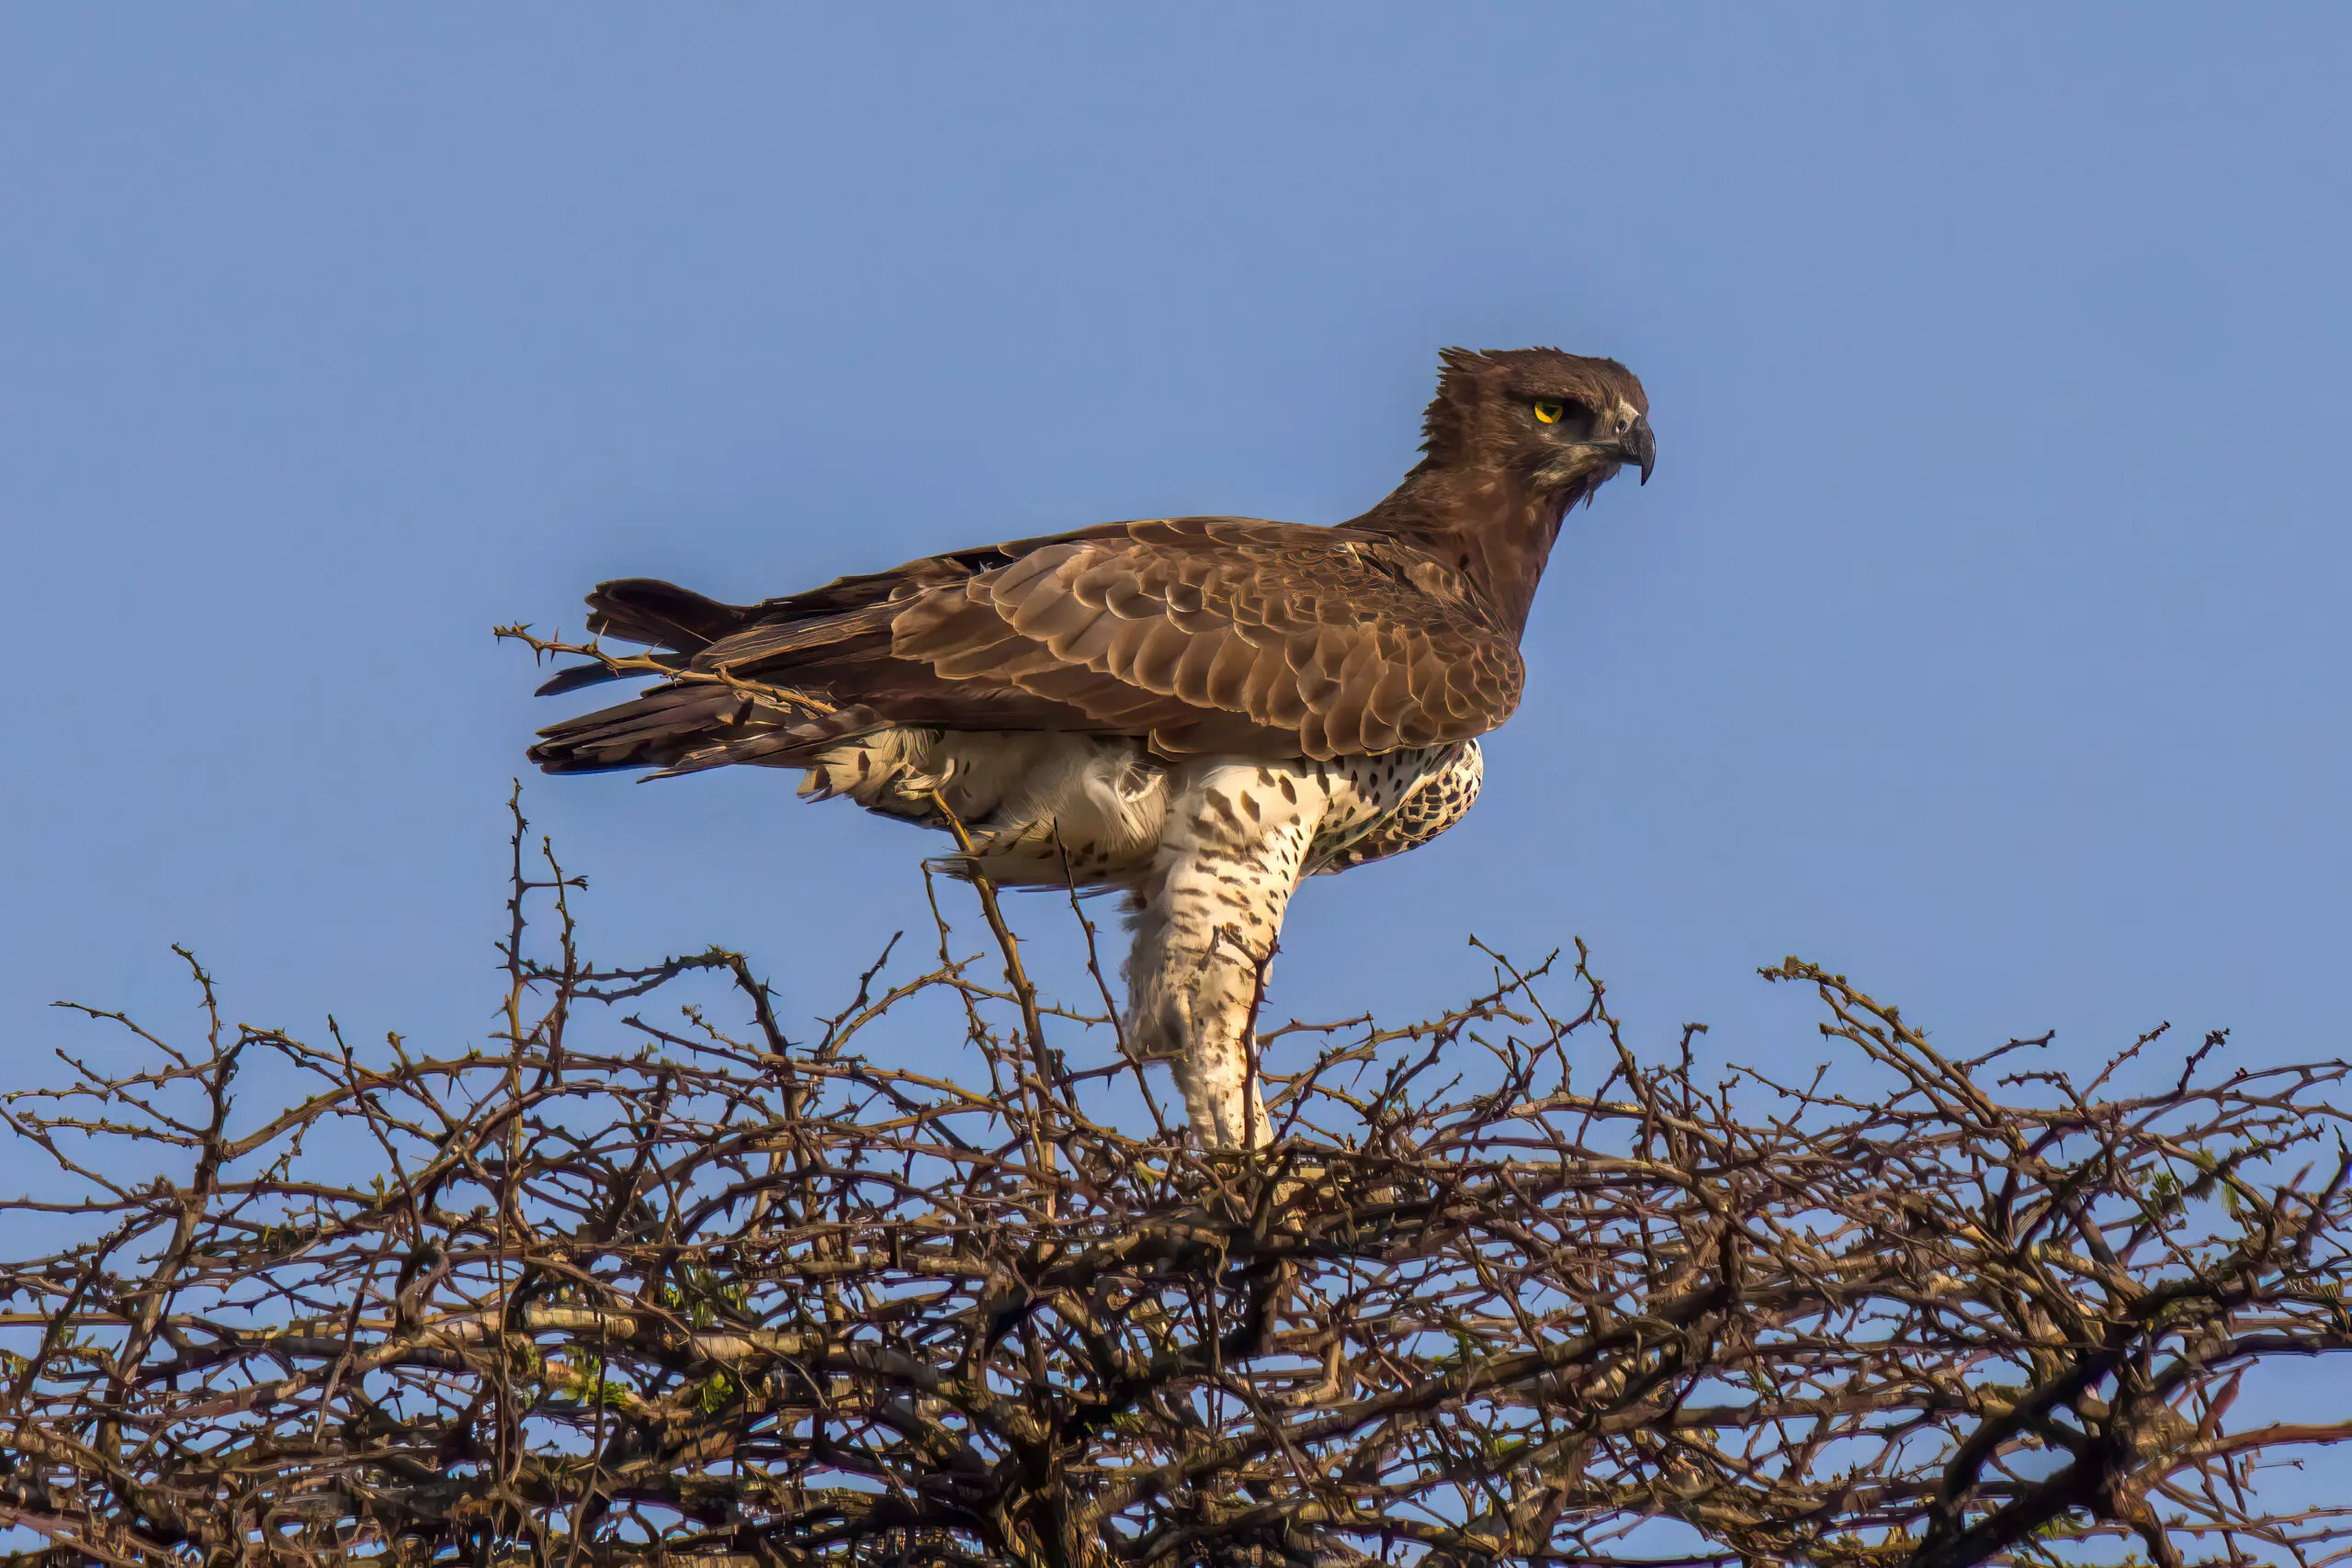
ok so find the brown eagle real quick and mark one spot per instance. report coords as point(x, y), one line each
point(1198, 710)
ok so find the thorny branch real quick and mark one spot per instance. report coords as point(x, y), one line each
point(618, 1288)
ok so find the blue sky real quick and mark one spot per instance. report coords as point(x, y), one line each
point(1983, 635)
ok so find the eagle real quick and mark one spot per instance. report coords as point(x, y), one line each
point(1200, 712)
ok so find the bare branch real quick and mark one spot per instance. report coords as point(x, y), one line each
point(640, 1286)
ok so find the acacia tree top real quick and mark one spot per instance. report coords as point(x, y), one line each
point(625, 1287)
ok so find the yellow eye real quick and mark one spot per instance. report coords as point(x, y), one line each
point(1547, 410)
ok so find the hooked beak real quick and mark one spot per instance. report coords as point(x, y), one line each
point(1640, 445)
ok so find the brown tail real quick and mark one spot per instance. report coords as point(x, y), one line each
point(701, 720)
point(662, 728)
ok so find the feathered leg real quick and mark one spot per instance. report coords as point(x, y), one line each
point(1230, 855)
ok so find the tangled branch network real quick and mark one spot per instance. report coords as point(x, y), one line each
point(626, 1285)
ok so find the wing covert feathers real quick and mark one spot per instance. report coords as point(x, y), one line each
point(1199, 629)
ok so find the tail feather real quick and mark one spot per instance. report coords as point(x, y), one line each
point(648, 610)
point(580, 675)
point(781, 745)
point(685, 729)
point(702, 633)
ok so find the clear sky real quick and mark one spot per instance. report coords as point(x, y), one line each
point(1983, 635)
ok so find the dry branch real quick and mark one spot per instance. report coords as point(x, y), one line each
point(615, 1288)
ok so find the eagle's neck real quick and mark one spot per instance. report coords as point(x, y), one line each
point(1493, 528)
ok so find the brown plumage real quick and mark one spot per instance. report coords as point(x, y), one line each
point(1199, 635)
point(1201, 711)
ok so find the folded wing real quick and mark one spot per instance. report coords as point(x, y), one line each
point(1205, 635)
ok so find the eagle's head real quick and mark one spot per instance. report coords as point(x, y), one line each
point(1562, 423)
